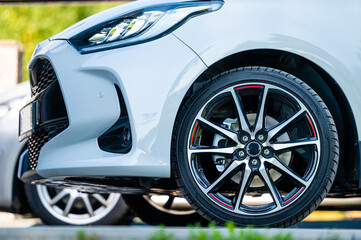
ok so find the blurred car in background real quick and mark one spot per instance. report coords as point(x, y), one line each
point(52, 205)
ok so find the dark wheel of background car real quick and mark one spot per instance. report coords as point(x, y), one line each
point(257, 146)
point(70, 207)
point(163, 209)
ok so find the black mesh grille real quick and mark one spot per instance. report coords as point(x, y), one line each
point(43, 75)
point(39, 138)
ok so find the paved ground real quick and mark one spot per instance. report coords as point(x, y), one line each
point(318, 219)
point(319, 225)
point(145, 232)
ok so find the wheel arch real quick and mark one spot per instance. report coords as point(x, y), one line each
point(323, 83)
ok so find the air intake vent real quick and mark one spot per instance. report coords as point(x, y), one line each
point(118, 139)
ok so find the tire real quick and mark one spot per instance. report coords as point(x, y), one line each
point(108, 209)
point(155, 212)
point(271, 170)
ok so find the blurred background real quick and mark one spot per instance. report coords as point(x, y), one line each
point(23, 24)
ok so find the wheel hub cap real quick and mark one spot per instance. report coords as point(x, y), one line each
point(254, 149)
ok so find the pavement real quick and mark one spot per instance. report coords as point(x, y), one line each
point(146, 232)
point(319, 225)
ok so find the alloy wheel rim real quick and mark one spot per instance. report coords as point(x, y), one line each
point(74, 207)
point(254, 150)
point(170, 204)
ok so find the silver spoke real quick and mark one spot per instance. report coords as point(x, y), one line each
point(243, 187)
point(58, 197)
point(225, 174)
point(87, 203)
point(69, 204)
point(289, 145)
point(269, 182)
point(74, 207)
point(285, 169)
point(261, 112)
point(169, 202)
point(228, 150)
point(101, 199)
point(228, 133)
point(277, 129)
point(241, 116)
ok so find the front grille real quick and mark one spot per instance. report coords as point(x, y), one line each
point(53, 118)
point(39, 138)
point(42, 76)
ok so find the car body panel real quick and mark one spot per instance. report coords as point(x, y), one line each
point(290, 26)
point(75, 151)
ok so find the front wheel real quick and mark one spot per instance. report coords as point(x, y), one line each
point(260, 148)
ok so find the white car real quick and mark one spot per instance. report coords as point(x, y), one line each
point(52, 205)
point(237, 105)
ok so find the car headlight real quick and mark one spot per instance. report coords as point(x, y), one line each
point(140, 26)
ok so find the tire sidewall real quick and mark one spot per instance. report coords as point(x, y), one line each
point(296, 89)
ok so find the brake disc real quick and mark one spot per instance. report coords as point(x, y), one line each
point(221, 162)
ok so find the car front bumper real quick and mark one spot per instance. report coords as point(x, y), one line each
point(153, 78)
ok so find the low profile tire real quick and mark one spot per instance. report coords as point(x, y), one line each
point(164, 210)
point(70, 207)
point(256, 146)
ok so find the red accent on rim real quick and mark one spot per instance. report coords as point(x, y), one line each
point(220, 201)
point(255, 86)
point(289, 200)
point(313, 129)
point(194, 129)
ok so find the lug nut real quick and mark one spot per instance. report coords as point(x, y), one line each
point(245, 138)
point(261, 137)
point(254, 162)
point(267, 152)
point(242, 154)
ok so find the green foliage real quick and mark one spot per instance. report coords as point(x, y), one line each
point(212, 233)
point(33, 23)
point(161, 234)
point(83, 236)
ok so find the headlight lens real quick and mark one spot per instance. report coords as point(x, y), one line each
point(126, 28)
point(140, 26)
